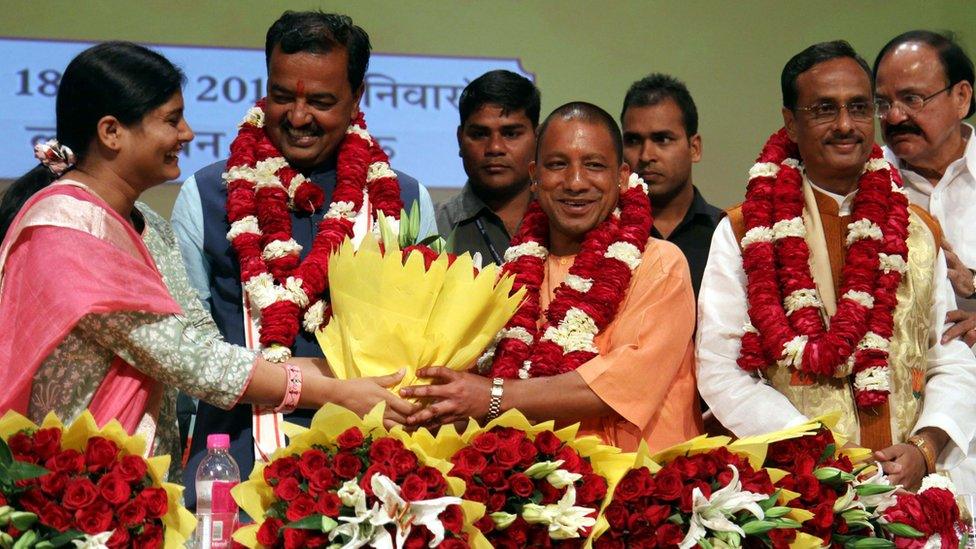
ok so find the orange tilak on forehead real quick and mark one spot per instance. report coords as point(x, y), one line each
point(300, 88)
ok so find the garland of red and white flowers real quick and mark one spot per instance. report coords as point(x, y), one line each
point(261, 189)
point(583, 304)
point(784, 305)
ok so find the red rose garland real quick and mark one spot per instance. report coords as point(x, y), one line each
point(261, 189)
point(583, 304)
point(784, 306)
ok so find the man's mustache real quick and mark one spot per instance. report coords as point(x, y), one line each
point(900, 129)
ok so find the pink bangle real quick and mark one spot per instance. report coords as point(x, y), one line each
point(293, 390)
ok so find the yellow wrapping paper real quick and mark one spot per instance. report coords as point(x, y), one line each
point(178, 522)
point(388, 315)
point(255, 496)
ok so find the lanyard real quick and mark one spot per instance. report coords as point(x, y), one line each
point(491, 247)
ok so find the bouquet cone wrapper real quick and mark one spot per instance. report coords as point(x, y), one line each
point(389, 314)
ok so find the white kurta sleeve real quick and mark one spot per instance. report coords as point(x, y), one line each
point(744, 403)
point(950, 380)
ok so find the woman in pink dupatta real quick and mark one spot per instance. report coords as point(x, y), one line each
point(95, 306)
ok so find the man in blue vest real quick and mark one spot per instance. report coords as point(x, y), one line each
point(316, 66)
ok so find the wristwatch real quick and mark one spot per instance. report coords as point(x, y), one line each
point(973, 295)
point(495, 404)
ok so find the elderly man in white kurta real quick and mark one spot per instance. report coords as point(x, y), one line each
point(826, 291)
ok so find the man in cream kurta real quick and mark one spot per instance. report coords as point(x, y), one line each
point(825, 89)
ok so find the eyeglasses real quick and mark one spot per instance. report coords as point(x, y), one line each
point(825, 112)
point(909, 104)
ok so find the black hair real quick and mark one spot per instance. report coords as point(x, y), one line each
point(119, 79)
point(655, 88)
point(320, 32)
point(956, 64)
point(506, 89)
point(584, 112)
point(814, 55)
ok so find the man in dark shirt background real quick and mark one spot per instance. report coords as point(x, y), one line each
point(496, 141)
point(661, 142)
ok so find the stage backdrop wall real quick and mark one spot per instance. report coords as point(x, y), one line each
point(729, 53)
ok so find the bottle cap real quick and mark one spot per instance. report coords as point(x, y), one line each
point(218, 441)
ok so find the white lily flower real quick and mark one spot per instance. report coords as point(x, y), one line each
point(408, 514)
point(98, 541)
point(564, 519)
point(543, 468)
point(934, 542)
point(502, 519)
point(711, 514)
point(848, 501)
point(878, 502)
point(561, 478)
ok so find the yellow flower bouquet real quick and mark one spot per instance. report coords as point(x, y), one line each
point(410, 308)
point(86, 486)
point(348, 481)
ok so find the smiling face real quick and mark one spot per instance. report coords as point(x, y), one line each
point(578, 177)
point(832, 151)
point(659, 150)
point(496, 149)
point(310, 105)
point(914, 69)
point(150, 149)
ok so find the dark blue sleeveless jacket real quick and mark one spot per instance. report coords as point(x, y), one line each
point(225, 306)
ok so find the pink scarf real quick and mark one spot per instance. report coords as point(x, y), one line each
point(68, 254)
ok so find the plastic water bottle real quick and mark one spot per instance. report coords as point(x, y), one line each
point(216, 508)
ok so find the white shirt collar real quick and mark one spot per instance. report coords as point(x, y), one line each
point(923, 185)
point(845, 203)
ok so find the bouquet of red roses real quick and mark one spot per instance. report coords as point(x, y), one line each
point(359, 486)
point(703, 495)
point(87, 484)
point(922, 520)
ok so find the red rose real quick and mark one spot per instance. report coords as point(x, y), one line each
point(607, 542)
point(283, 468)
point(404, 462)
point(630, 487)
point(668, 534)
point(47, 443)
point(468, 460)
point(300, 507)
point(781, 538)
point(413, 488)
point(592, 490)
point(507, 456)
point(114, 489)
point(416, 540)
point(328, 504)
point(453, 543)
point(476, 493)
point(120, 538)
point(521, 485)
point(656, 514)
point(616, 515)
point(295, 538)
point(496, 502)
point(68, 461)
point(33, 501)
point(823, 516)
point(485, 524)
point(321, 480)
point(312, 461)
point(518, 532)
point(436, 483)
point(366, 481)
point(22, 447)
point(94, 519)
point(53, 484)
point(131, 468)
point(908, 511)
point(940, 508)
point(686, 466)
point(528, 452)
point(452, 518)
point(268, 532)
point(151, 537)
point(689, 490)
point(547, 442)
point(550, 494)
point(154, 500)
point(572, 461)
point(667, 484)
point(56, 517)
point(350, 439)
point(494, 477)
point(131, 513)
point(486, 443)
point(288, 489)
point(382, 450)
point(100, 453)
point(346, 465)
point(79, 493)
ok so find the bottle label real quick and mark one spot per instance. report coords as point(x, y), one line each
point(222, 501)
